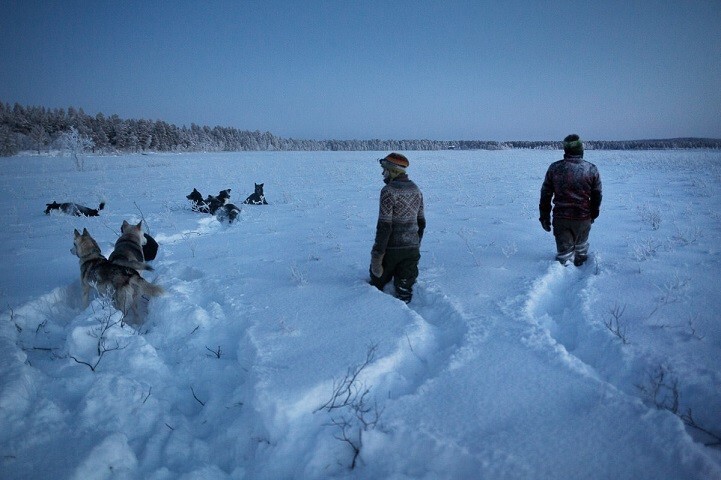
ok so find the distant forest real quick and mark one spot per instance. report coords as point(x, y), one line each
point(40, 129)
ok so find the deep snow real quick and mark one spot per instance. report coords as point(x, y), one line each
point(502, 366)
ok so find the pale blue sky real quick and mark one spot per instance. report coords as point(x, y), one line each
point(461, 70)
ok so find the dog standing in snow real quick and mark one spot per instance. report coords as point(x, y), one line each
point(129, 247)
point(124, 284)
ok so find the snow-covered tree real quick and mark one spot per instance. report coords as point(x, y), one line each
point(76, 144)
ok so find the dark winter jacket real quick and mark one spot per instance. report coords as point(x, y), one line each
point(575, 187)
point(401, 220)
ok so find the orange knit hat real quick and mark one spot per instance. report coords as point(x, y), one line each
point(395, 161)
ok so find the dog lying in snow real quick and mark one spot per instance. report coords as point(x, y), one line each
point(214, 203)
point(124, 284)
point(210, 204)
point(197, 204)
point(74, 209)
point(257, 197)
point(129, 247)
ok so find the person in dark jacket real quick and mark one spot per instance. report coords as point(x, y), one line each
point(574, 186)
point(401, 222)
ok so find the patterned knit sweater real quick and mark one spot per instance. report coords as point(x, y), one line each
point(401, 220)
point(574, 185)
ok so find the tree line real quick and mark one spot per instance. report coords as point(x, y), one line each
point(40, 129)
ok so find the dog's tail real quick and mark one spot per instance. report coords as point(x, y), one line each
point(146, 288)
point(135, 265)
point(101, 206)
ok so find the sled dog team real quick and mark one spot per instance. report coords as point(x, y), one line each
point(118, 276)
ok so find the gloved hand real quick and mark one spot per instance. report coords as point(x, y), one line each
point(546, 223)
point(376, 265)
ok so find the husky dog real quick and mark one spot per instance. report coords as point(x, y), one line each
point(129, 247)
point(123, 283)
point(74, 209)
point(257, 198)
point(197, 204)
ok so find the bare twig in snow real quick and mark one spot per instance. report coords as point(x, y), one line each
point(196, 397)
point(614, 324)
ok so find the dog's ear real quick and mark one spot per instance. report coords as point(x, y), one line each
point(139, 226)
point(77, 234)
point(124, 225)
point(85, 232)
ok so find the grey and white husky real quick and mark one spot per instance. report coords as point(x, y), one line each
point(128, 250)
point(124, 284)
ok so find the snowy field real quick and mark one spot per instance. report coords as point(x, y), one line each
point(505, 365)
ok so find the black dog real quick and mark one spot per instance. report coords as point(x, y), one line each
point(74, 209)
point(150, 249)
point(214, 203)
point(197, 204)
point(257, 198)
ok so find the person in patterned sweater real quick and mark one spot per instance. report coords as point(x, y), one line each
point(401, 222)
point(574, 185)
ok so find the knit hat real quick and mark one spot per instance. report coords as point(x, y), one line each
point(572, 145)
point(395, 162)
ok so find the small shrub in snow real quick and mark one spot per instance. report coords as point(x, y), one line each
point(354, 411)
point(109, 319)
point(662, 391)
point(672, 291)
point(687, 236)
point(645, 249)
point(688, 328)
point(651, 216)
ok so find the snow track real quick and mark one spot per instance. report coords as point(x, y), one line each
point(555, 309)
point(431, 344)
point(567, 323)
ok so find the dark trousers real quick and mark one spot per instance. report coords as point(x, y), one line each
point(571, 240)
point(401, 266)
